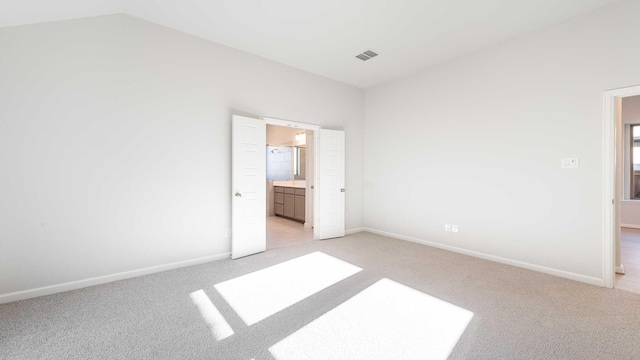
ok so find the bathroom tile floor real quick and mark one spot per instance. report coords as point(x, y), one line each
point(284, 232)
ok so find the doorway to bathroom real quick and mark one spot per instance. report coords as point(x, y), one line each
point(248, 176)
point(289, 185)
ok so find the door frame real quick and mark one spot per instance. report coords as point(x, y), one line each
point(611, 199)
point(316, 163)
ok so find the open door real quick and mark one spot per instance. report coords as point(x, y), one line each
point(248, 217)
point(331, 182)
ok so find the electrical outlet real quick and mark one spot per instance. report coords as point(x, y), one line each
point(227, 233)
point(447, 227)
point(454, 228)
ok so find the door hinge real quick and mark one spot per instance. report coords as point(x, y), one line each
point(613, 201)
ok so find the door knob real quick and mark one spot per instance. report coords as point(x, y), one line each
point(342, 190)
point(238, 194)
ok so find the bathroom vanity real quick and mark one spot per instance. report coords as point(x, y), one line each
point(289, 201)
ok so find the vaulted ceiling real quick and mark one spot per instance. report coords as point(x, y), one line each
point(324, 36)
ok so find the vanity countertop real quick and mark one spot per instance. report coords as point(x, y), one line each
point(300, 184)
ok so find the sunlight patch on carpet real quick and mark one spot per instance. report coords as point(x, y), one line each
point(260, 294)
point(387, 320)
point(220, 328)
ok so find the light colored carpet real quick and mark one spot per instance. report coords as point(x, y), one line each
point(518, 314)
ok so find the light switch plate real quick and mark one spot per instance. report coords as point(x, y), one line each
point(570, 163)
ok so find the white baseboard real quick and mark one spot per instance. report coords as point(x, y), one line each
point(520, 264)
point(620, 269)
point(73, 285)
point(630, 226)
point(353, 231)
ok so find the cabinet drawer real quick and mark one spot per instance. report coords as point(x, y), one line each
point(300, 191)
point(288, 190)
point(278, 198)
point(278, 189)
point(279, 209)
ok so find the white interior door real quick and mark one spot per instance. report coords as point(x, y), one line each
point(331, 183)
point(248, 198)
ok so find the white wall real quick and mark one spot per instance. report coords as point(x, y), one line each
point(631, 110)
point(477, 142)
point(630, 214)
point(630, 209)
point(115, 144)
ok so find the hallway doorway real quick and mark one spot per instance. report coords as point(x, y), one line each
point(630, 255)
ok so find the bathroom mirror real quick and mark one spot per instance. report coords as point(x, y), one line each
point(299, 162)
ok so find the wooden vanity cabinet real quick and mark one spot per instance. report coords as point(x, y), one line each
point(289, 202)
point(300, 205)
point(278, 199)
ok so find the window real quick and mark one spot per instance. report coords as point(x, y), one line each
point(634, 155)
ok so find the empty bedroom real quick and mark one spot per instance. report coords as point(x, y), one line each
point(287, 180)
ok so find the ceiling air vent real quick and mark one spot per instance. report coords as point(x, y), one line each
point(366, 55)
